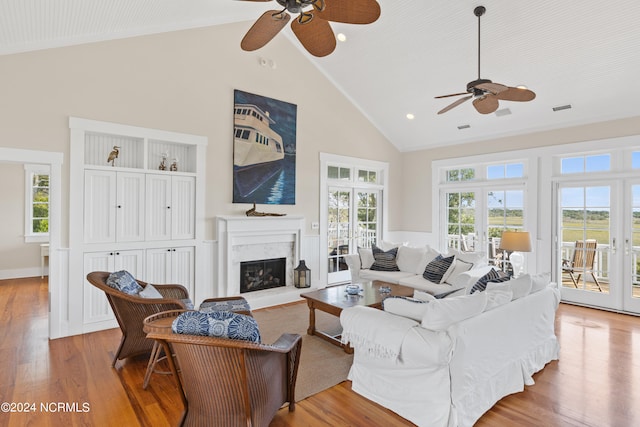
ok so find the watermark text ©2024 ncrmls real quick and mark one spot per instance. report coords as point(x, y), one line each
point(46, 407)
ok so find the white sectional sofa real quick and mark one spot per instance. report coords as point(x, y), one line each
point(464, 272)
point(452, 359)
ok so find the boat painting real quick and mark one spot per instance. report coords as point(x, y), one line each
point(263, 150)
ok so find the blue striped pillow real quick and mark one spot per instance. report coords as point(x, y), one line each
point(437, 268)
point(384, 261)
point(491, 276)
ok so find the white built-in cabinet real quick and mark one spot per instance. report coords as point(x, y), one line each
point(132, 215)
point(96, 307)
point(170, 265)
point(113, 206)
point(170, 206)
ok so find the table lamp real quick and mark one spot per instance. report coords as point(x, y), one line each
point(516, 242)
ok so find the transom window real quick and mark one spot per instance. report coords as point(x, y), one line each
point(635, 160)
point(505, 170)
point(462, 174)
point(367, 176)
point(338, 172)
point(582, 164)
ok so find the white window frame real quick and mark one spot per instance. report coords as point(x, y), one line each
point(29, 235)
point(353, 163)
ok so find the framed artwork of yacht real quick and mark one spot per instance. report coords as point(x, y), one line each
point(264, 150)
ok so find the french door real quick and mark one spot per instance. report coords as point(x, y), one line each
point(598, 242)
point(631, 247)
point(353, 219)
point(476, 218)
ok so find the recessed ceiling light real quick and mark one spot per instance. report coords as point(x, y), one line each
point(410, 116)
point(341, 37)
point(503, 112)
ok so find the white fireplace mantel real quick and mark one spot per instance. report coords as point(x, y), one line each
point(240, 232)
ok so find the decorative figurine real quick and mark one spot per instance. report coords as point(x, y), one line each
point(163, 163)
point(254, 212)
point(174, 165)
point(113, 155)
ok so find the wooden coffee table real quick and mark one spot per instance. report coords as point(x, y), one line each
point(334, 299)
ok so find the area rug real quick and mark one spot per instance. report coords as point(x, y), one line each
point(322, 364)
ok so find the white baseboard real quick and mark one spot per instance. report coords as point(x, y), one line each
point(22, 272)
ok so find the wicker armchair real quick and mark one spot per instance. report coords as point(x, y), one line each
point(233, 383)
point(131, 310)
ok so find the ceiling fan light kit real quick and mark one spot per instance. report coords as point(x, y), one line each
point(485, 93)
point(311, 26)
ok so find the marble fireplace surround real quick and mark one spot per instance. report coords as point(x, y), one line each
point(242, 238)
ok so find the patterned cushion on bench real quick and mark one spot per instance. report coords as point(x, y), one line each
point(221, 324)
point(124, 282)
point(238, 304)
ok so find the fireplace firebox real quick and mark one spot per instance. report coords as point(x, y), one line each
point(262, 274)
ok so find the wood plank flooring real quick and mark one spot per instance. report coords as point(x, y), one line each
point(595, 383)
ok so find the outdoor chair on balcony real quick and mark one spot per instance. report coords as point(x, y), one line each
point(226, 381)
point(584, 255)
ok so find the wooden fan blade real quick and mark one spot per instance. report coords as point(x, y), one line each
point(315, 35)
point(350, 12)
point(264, 29)
point(494, 88)
point(455, 104)
point(486, 104)
point(453, 94)
point(516, 94)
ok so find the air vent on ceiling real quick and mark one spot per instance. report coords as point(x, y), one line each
point(464, 127)
point(503, 112)
point(562, 107)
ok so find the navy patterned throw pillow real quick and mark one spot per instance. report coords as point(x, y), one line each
point(492, 276)
point(191, 323)
point(239, 304)
point(221, 324)
point(436, 269)
point(384, 261)
point(124, 282)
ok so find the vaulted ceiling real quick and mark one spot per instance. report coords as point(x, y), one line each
point(585, 54)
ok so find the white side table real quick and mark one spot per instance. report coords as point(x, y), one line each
point(44, 252)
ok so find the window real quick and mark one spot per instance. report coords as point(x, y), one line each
point(367, 176)
point(582, 164)
point(505, 211)
point(635, 160)
point(465, 174)
point(36, 203)
point(479, 203)
point(461, 214)
point(508, 170)
point(337, 172)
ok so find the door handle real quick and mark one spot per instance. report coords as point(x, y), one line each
point(626, 246)
point(613, 246)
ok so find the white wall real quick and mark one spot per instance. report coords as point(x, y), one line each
point(184, 81)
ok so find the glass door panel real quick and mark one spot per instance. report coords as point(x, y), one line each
point(339, 232)
point(367, 220)
point(461, 221)
point(632, 249)
point(505, 212)
point(585, 238)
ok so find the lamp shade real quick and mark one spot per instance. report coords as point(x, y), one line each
point(519, 241)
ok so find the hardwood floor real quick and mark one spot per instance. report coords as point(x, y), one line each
point(71, 382)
